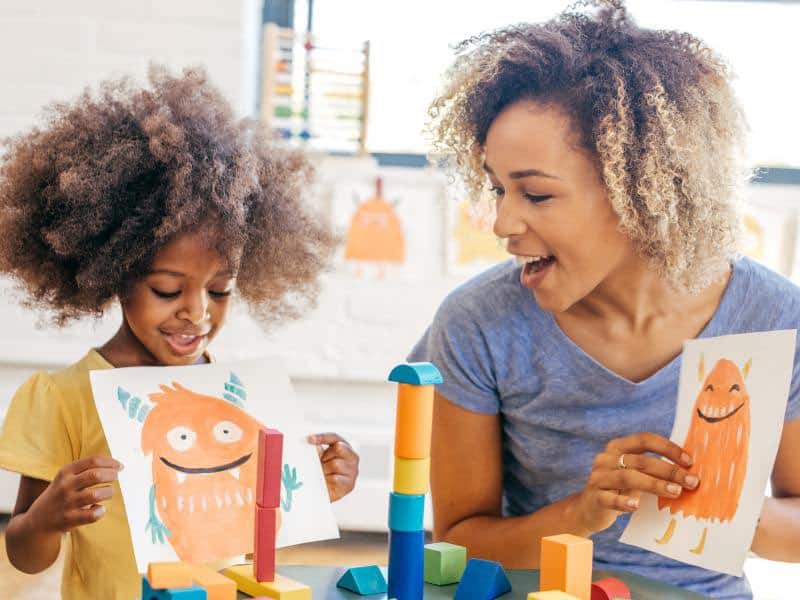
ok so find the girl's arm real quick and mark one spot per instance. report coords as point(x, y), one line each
point(778, 531)
point(45, 511)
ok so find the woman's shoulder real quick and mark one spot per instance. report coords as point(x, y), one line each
point(764, 299)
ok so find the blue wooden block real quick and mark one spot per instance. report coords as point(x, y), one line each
point(421, 373)
point(406, 512)
point(189, 593)
point(406, 564)
point(482, 580)
point(363, 580)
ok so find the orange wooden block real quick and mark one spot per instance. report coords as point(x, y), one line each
point(412, 434)
point(551, 595)
point(566, 565)
point(162, 575)
point(217, 586)
point(412, 475)
point(264, 555)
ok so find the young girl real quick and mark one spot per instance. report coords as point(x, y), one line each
point(159, 199)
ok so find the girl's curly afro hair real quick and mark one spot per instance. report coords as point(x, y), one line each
point(654, 108)
point(87, 201)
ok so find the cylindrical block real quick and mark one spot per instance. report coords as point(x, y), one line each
point(406, 565)
point(412, 475)
point(412, 435)
point(406, 512)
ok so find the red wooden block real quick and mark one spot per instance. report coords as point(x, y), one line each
point(609, 589)
point(264, 554)
point(270, 462)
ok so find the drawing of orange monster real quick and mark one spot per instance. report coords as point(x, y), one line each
point(375, 233)
point(204, 457)
point(718, 440)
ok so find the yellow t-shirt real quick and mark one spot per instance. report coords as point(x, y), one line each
point(52, 421)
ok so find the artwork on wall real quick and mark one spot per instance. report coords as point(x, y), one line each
point(729, 417)
point(766, 236)
point(471, 245)
point(188, 437)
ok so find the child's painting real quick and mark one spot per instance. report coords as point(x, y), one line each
point(188, 438)
point(472, 245)
point(729, 417)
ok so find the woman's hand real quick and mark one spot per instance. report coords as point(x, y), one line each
point(72, 498)
point(339, 463)
point(623, 471)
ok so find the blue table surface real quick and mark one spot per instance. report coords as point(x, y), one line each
point(323, 580)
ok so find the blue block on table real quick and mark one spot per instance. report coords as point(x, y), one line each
point(406, 564)
point(482, 580)
point(363, 580)
point(406, 512)
point(189, 593)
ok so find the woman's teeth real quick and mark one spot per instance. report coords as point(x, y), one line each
point(531, 260)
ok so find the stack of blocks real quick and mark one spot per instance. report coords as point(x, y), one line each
point(411, 477)
point(171, 581)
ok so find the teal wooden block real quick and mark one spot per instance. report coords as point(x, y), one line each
point(189, 593)
point(363, 580)
point(444, 563)
point(422, 373)
point(482, 580)
point(406, 511)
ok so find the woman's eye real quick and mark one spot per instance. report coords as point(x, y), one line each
point(220, 294)
point(538, 198)
point(162, 294)
point(497, 191)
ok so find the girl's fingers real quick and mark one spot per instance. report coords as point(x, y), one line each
point(93, 462)
point(94, 476)
point(328, 438)
point(90, 497)
point(83, 516)
point(339, 450)
point(336, 466)
point(639, 443)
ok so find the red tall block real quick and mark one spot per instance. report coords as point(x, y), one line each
point(264, 555)
point(270, 462)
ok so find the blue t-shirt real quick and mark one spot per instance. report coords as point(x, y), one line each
point(499, 352)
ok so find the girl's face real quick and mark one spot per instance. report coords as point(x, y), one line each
point(177, 308)
point(552, 206)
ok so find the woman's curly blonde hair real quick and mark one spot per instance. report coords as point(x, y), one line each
point(655, 108)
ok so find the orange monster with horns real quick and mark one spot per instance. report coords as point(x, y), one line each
point(718, 440)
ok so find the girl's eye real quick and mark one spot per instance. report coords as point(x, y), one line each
point(534, 198)
point(161, 294)
point(220, 294)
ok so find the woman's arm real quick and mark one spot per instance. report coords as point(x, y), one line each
point(466, 488)
point(778, 533)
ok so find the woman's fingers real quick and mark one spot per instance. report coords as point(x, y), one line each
point(651, 465)
point(615, 501)
point(639, 443)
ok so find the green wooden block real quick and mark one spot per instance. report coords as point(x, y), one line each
point(444, 563)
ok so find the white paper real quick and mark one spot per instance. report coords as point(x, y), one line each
point(196, 424)
point(729, 518)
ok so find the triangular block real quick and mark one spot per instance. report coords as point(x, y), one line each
point(363, 580)
point(482, 580)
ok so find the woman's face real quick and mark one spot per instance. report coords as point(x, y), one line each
point(552, 206)
point(178, 307)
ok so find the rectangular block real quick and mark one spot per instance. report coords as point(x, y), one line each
point(282, 588)
point(264, 553)
point(551, 595)
point(406, 511)
point(163, 575)
point(270, 463)
point(406, 565)
point(444, 563)
point(566, 565)
point(412, 475)
point(413, 422)
point(217, 585)
point(193, 592)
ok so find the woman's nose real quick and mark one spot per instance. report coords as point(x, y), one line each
point(508, 221)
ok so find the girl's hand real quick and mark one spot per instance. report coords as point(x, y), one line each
point(339, 463)
point(623, 471)
point(70, 500)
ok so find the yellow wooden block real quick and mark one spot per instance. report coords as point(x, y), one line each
point(412, 475)
point(217, 586)
point(551, 595)
point(413, 422)
point(282, 588)
point(566, 565)
point(162, 575)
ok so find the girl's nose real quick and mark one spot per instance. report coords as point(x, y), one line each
point(196, 309)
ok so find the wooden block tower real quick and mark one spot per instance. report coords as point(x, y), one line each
point(412, 461)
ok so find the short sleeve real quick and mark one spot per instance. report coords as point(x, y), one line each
point(37, 437)
point(793, 404)
point(455, 344)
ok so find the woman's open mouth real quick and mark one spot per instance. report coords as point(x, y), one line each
point(534, 269)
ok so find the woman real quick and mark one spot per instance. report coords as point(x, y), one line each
point(615, 156)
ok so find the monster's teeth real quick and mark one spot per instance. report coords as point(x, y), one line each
point(234, 472)
point(181, 476)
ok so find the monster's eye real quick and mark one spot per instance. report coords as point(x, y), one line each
point(181, 438)
point(734, 388)
point(709, 388)
point(227, 432)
